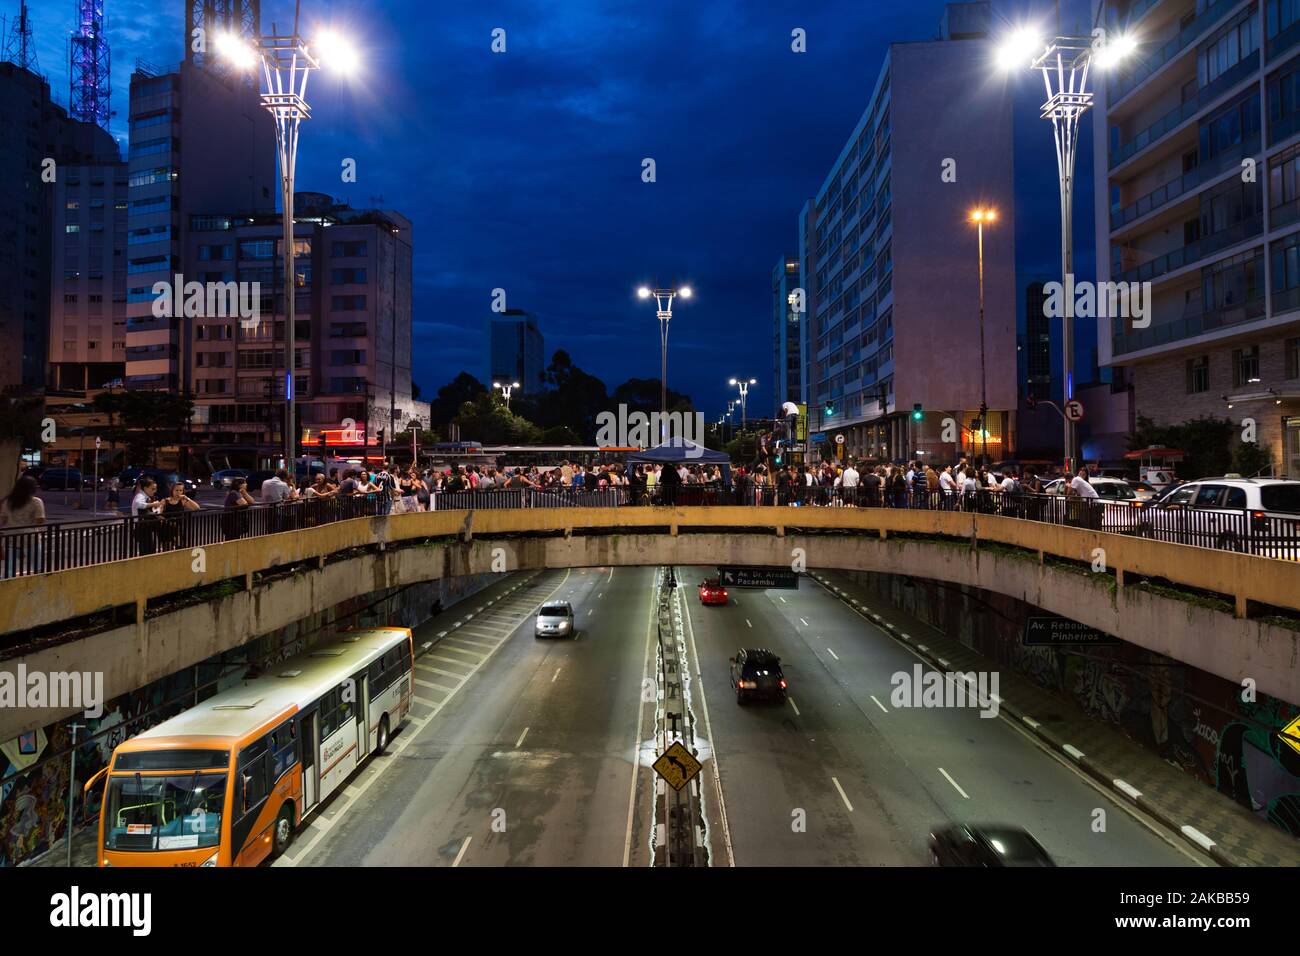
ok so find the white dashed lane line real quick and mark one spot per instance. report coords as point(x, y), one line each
point(879, 704)
point(843, 795)
point(956, 786)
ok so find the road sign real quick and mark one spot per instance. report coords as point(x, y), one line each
point(1290, 735)
point(749, 577)
point(677, 766)
point(97, 443)
point(1073, 410)
point(839, 439)
point(1062, 632)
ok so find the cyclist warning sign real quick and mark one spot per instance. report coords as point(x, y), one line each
point(677, 766)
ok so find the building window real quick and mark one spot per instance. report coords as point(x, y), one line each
point(1245, 366)
point(69, 298)
point(348, 249)
point(1227, 48)
point(1198, 374)
point(347, 303)
point(72, 227)
point(347, 357)
point(73, 204)
point(257, 249)
point(1292, 348)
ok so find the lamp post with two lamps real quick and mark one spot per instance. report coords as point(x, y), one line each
point(664, 308)
point(287, 61)
point(743, 384)
point(980, 217)
point(506, 389)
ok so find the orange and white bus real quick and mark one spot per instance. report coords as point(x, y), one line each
point(229, 781)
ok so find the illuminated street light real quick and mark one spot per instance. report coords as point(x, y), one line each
point(506, 391)
point(664, 309)
point(287, 60)
point(1063, 62)
point(743, 385)
point(980, 217)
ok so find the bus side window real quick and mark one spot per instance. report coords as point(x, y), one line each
point(284, 749)
point(252, 775)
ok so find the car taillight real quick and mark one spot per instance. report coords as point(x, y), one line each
point(783, 683)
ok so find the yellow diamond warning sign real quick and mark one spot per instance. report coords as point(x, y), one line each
point(1290, 735)
point(677, 766)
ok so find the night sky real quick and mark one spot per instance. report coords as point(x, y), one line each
point(522, 170)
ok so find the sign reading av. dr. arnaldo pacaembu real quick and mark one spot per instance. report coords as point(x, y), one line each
point(747, 577)
point(1049, 631)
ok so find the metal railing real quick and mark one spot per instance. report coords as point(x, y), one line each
point(58, 547)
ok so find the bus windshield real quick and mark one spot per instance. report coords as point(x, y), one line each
point(173, 812)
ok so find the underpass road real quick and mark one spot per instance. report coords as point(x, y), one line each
point(531, 760)
point(839, 743)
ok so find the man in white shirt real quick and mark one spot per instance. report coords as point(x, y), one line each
point(1080, 485)
point(276, 489)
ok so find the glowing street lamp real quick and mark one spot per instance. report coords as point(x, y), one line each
point(664, 309)
point(743, 385)
point(506, 390)
point(287, 60)
point(1063, 62)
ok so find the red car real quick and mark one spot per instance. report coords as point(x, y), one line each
point(711, 592)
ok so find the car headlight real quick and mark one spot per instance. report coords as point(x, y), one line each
point(210, 861)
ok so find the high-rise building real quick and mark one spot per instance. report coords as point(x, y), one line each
point(41, 150)
point(516, 351)
point(787, 328)
point(889, 261)
point(201, 145)
point(353, 317)
point(1197, 145)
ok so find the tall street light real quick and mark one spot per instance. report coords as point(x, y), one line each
point(506, 389)
point(980, 217)
point(743, 385)
point(287, 60)
point(1064, 62)
point(664, 307)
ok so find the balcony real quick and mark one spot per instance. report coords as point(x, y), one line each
point(1185, 183)
point(1284, 41)
point(1126, 82)
point(1284, 214)
point(1180, 114)
point(1194, 251)
point(1189, 326)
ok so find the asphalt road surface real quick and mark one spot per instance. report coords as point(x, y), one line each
point(533, 752)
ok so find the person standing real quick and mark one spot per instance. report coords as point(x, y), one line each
point(234, 521)
point(21, 508)
point(849, 483)
point(144, 512)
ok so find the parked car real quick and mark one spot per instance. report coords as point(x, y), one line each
point(1145, 491)
point(63, 479)
point(990, 845)
point(1252, 515)
point(1116, 500)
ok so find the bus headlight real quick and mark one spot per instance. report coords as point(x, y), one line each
point(210, 861)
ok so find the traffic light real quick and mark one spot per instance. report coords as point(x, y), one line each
point(830, 409)
point(918, 413)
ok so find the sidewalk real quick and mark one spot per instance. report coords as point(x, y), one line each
point(1207, 819)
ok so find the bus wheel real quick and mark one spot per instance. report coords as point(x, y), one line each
point(284, 829)
point(381, 741)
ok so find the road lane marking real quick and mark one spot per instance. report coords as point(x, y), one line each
point(832, 653)
point(520, 741)
point(636, 743)
point(461, 855)
point(467, 640)
point(843, 795)
point(425, 701)
point(878, 703)
point(556, 675)
point(956, 785)
point(749, 622)
point(437, 670)
point(783, 600)
point(457, 650)
point(803, 622)
point(796, 709)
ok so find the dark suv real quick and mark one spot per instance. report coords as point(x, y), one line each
point(997, 845)
point(756, 672)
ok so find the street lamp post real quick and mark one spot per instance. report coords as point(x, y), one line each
point(1064, 62)
point(287, 60)
point(980, 217)
point(743, 385)
point(664, 308)
point(506, 390)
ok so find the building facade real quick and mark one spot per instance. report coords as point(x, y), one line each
point(788, 315)
point(890, 265)
point(1197, 142)
point(516, 350)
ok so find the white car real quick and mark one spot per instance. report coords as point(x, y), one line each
point(554, 619)
point(1117, 503)
point(1252, 515)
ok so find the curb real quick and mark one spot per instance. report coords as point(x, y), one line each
point(1187, 833)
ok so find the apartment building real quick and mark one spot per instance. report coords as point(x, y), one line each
point(516, 350)
point(788, 314)
point(889, 262)
point(1197, 144)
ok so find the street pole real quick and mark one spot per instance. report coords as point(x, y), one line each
point(94, 487)
point(72, 784)
point(984, 397)
point(664, 310)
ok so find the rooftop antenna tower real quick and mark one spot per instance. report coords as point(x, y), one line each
point(243, 18)
point(88, 66)
point(19, 47)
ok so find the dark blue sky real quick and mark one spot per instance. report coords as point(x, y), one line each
point(522, 170)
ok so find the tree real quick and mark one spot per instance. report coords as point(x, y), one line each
point(642, 395)
point(1206, 442)
point(461, 389)
point(573, 398)
point(487, 420)
point(144, 421)
point(1251, 458)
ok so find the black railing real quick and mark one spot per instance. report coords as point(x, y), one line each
point(58, 547)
